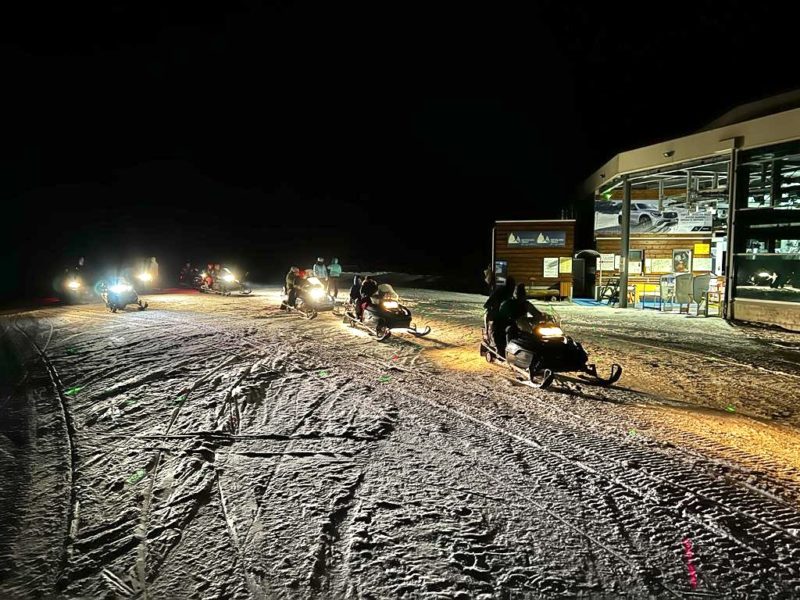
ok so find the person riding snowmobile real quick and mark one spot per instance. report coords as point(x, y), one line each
point(368, 289)
point(510, 310)
point(493, 303)
point(355, 289)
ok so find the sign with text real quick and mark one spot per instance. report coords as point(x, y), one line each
point(551, 267)
point(538, 239)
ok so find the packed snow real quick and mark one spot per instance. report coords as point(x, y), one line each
point(218, 447)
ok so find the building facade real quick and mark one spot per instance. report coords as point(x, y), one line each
point(722, 203)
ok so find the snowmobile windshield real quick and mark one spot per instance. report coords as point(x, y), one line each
point(314, 281)
point(386, 292)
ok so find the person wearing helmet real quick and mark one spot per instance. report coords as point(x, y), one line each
point(368, 289)
point(511, 310)
point(334, 273)
point(321, 271)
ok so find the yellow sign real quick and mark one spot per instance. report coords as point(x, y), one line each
point(703, 249)
point(565, 265)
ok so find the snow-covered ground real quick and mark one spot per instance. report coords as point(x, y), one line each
point(215, 447)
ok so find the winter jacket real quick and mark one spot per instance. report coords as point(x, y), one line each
point(369, 288)
point(335, 269)
point(516, 308)
point(291, 279)
point(320, 271)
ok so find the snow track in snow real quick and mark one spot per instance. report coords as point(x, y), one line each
point(224, 449)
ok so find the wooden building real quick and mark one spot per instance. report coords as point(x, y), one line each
point(536, 253)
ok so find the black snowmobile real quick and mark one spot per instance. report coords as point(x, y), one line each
point(225, 284)
point(538, 349)
point(119, 294)
point(312, 298)
point(382, 315)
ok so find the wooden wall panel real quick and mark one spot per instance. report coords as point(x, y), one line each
point(526, 265)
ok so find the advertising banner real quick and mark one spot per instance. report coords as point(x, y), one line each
point(647, 218)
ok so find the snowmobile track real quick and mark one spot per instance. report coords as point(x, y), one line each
point(69, 428)
point(723, 536)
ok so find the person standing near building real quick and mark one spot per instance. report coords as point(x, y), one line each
point(334, 273)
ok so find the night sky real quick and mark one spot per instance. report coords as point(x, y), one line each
point(264, 135)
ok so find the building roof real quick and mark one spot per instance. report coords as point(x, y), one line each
point(759, 108)
point(769, 121)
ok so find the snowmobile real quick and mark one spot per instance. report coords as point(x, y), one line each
point(311, 298)
point(224, 284)
point(74, 289)
point(537, 349)
point(383, 314)
point(120, 294)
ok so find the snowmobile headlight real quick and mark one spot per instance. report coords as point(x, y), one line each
point(228, 277)
point(550, 331)
point(763, 274)
point(145, 276)
point(316, 293)
point(390, 304)
point(119, 288)
point(74, 284)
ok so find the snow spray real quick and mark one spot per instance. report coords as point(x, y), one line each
point(687, 551)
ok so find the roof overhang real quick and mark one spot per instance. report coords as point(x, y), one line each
point(764, 131)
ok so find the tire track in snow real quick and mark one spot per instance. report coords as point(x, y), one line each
point(69, 428)
point(579, 464)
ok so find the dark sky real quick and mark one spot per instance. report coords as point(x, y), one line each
point(265, 134)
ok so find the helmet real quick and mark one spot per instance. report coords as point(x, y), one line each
point(320, 259)
point(295, 270)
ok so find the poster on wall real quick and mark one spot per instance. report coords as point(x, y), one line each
point(702, 249)
point(647, 218)
point(607, 262)
point(565, 265)
point(617, 261)
point(682, 260)
point(537, 239)
point(551, 267)
point(660, 265)
point(500, 272)
point(701, 264)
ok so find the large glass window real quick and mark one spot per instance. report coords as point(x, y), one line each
point(772, 177)
point(768, 276)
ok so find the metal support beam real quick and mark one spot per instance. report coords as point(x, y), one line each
point(660, 195)
point(688, 188)
point(626, 242)
point(734, 198)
